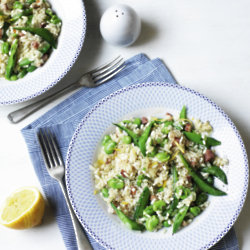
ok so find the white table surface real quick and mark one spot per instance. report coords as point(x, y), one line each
point(206, 46)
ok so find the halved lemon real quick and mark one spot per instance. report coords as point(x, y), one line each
point(23, 209)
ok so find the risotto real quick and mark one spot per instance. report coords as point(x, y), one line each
point(158, 172)
point(28, 33)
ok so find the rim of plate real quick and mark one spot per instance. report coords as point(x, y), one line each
point(164, 84)
point(53, 83)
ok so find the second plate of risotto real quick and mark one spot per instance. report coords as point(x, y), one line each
point(157, 165)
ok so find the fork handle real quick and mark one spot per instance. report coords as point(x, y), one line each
point(81, 239)
point(20, 114)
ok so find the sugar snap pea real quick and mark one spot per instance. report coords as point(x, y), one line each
point(144, 137)
point(132, 134)
point(183, 113)
point(148, 211)
point(179, 218)
point(216, 171)
point(142, 203)
point(211, 142)
point(5, 47)
point(203, 185)
point(131, 224)
point(201, 198)
point(12, 59)
point(137, 121)
point(43, 33)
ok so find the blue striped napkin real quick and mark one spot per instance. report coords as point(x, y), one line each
point(63, 120)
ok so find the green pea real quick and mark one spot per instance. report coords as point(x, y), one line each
point(137, 121)
point(166, 224)
point(195, 210)
point(31, 68)
point(24, 62)
point(159, 205)
point(55, 19)
point(30, 1)
point(201, 198)
point(105, 139)
point(22, 73)
point(13, 78)
point(109, 147)
point(44, 48)
point(126, 139)
point(185, 192)
point(148, 211)
point(164, 142)
point(5, 48)
point(116, 183)
point(105, 192)
point(17, 5)
point(153, 153)
point(151, 223)
point(162, 157)
point(165, 130)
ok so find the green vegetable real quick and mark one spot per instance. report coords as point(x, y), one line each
point(142, 203)
point(105, 192)
point(13, 78)
point(16, 17)
point(162, 157)
point(160, 189)
point(43, 33)
point(27, 12)
point(185, 192)
point(165, 130)
point(175, 175)
point(210, 179)
point(126, 139)
point(133, 135)
point(148, 211)
point(151, 223)
point(195, 211)
point(44, 49)
point(105, 139)
point(183, 113)
point(12, 59)
point(164, 142)
point(126, 121)
point(24, 62)
point(203, 185)
point(116, 183)
point(140, 178)
point(201, 198)
point(109, 147)
point(167, 123)
point(5, 47)
point(179, 218)
point(159, 205)
point(55, 19)
point(216, 171)
point(126, 220)
point(17, 5)
point(29, 21)
point(137, 121)
point(144, 137)
point(153, 153)
point(22, 73)
point(30, 1)
point(166, 224)
point(210, 142)
point(49, 12)
point(31, 68)
point(194, 137)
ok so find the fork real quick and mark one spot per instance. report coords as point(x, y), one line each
point(55, 166)
point(90, 79)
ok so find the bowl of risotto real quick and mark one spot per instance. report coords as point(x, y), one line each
point(157, 165)
point(39, 42)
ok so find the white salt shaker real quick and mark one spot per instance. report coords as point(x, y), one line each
point(120, 25)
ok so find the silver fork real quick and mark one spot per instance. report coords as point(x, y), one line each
point(90, 79)
point(55, 166)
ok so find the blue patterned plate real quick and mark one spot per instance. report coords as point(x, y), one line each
point(154, 99)
point(70, 42)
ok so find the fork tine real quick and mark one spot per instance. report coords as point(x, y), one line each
point(45, 151)
point(110, 76)
point(51, 147)
point(108, 68)
point(109, 71)
point(58, 154)
point(104, 66)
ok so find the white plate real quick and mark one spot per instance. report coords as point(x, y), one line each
point(61, 60)
point(206, 229)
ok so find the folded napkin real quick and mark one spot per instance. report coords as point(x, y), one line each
point(63, 120)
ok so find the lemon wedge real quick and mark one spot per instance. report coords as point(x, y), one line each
point(23, 209)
